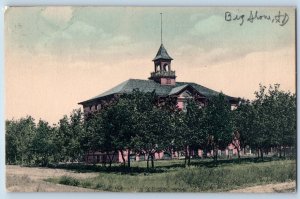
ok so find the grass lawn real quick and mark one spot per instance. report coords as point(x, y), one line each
point(201, 176)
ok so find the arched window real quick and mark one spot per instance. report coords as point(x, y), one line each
point(165, 67)
point(157, 67)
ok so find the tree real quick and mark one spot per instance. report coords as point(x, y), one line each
point(68, 137)
point(11, 142)
point(19, 135)
point(42, 143)
point(153, 132)
point(218, 123)
point(268, 121)
point(76, 129)
point(118, 125)
point(180, 130)
point(189, 127)
point(288, 121)
point(120, 121)
point(276, 117)
point(61, 139)
point(244, 130)
point(282, 117)
point(94, 137)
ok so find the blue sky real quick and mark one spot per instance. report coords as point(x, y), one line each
point(80, 30)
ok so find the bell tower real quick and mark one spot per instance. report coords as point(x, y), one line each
point(162, 66)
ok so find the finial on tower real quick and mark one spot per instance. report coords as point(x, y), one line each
point(161, 27)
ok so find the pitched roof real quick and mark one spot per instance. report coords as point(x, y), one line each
point(149, 85)
point(162, 54)
point(177, 89)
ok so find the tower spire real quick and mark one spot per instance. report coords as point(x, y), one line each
point(161, 27)
point(162, 64)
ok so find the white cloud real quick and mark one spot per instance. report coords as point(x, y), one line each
point(120, 39)
point(59, 16)
point(207, 26)
point(197, 16)
point(80, 28)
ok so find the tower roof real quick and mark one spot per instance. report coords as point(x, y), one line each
point(162, 54)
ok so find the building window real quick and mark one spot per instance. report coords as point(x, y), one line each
point(165, 67)
point(157, 68)
point(86, 110)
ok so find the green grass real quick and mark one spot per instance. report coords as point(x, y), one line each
point(202, 176)
point(67, 180)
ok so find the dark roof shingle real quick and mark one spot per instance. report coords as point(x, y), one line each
point(149, 85)
point(162, 54)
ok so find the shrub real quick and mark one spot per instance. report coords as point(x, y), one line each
point(67, 180)
point(86, 184)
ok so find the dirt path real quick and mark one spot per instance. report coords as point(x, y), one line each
point(269, 188)
point(26, 179)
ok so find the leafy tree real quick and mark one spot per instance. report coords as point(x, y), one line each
point(76, 128)
point(281, 117)
point(11, 140)
point(118, 126)
point(180, 128)
point(153, 132)
point(244, 131)
point(19, 135)
point(218, 123)
point(276, 117)
point(94, 137)
point(189, 129)
point(195, 135)
point(42, 143)
point(268, 121)
point(61, 139)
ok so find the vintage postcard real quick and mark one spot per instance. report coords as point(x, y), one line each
point(150, 99)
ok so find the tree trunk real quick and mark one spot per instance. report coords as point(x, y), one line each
point(110, 161)
point(152, 161)
point(262, 154)
point(189, 158)
point(171, 152)
point(104, 157)
point(216, 156)
point(215, 153)
point(239, 155)
point(148, 162)
point(185, 156)
point(228, 156)
point(122, 154)
point(284, 151)
point(128, 158)
point(110, 158)
point(280, 154)
point(93, 157)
